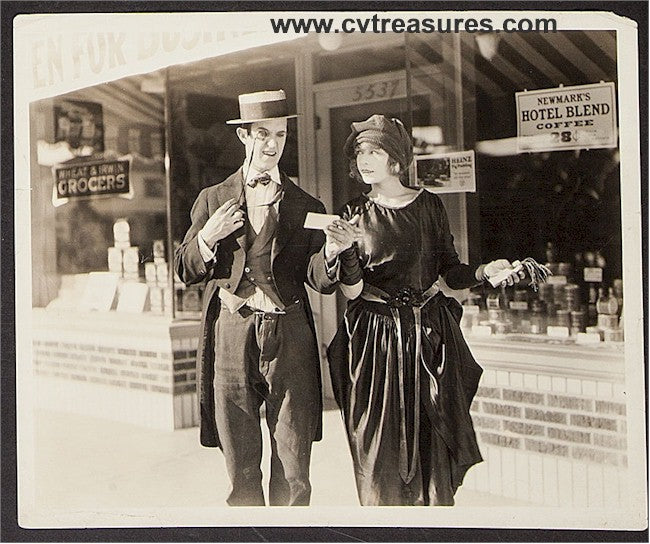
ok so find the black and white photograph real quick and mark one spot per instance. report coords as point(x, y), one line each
point(329, 268)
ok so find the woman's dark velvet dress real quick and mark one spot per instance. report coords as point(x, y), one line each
point(407, 420)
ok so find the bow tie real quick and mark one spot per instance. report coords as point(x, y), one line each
point(262, 178)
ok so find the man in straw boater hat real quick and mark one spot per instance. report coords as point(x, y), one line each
point(258, 344)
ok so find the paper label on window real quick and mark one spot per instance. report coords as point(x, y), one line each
point(518, 305)
point(132, 297)
point(482, 330)
point(100, 291)
point(558, 332)
point(587, 338)
point(593, 274)
point(556, 280)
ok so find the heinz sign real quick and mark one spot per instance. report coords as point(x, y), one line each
point(578, 117)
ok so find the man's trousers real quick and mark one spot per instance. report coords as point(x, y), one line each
point(271, 360)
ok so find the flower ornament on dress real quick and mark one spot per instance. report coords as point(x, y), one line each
point(406, 296)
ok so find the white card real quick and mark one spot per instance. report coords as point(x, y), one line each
point(556, 280)
point(99, 293)
point(318, 221)
point(588, 338)
point(482, 330)
point(558, 332)
point(593, 274)
point(132, 297)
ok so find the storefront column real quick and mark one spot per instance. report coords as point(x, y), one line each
point(45, 278)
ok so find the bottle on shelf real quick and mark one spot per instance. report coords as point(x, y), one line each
point(607, 303)
point(551, 258)
point(551, 254)
point(592, 311)
point(578, 265)
point(617, 284)
point(538, 318)
point(607, 308)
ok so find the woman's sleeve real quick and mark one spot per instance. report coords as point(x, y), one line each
point(457, 275)
point(349, 267)
point(345, 270)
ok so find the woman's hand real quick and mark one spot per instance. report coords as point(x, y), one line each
point(339, 236)
point(494, 268)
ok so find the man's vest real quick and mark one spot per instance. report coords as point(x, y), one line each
point(257, 269)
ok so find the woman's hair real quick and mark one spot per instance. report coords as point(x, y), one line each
point(393, 164)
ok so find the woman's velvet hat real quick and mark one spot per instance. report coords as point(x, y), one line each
point(387, 133)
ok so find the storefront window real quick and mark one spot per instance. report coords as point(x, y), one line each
point(99, 196)
point(560, 207)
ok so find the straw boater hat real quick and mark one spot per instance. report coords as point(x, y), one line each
point(261, 106)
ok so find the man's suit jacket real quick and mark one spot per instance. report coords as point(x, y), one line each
point(291, 250)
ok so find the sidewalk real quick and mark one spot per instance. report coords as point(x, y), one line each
point(86, 463)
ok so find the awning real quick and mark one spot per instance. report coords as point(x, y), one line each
point(58, 53)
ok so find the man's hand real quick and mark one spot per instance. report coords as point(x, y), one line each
point(224, 221)
point(339, 236)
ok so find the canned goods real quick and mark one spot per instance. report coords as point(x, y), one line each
point(607, 322)
point(563, 318)
point(553, 267)
point(577, 322)
point(150, 273)
point(571, 290)
point(559, 297)
point(502, 327)
point(572, 297)
point(595, 330)
point(496, 315)
point(115, 260)
point(613, 335)
point(521, 295)
point(545, 292)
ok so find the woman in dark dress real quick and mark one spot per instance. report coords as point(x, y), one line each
point(402, 373)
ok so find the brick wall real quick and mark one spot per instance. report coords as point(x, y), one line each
point(106, 375)
point(549, 439)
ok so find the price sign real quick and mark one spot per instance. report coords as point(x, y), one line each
point(556, 280)
point(132, 297)
point(100, 290)
point(593, 274)
point(588, 338)
point(576, 117)
point(558, 332)
point(482, 330)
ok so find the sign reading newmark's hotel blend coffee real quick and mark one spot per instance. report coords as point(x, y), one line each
point(578, 117)
point(92, 178)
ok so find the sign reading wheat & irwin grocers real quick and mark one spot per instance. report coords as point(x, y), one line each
point(576, 117)
point(91, 178)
